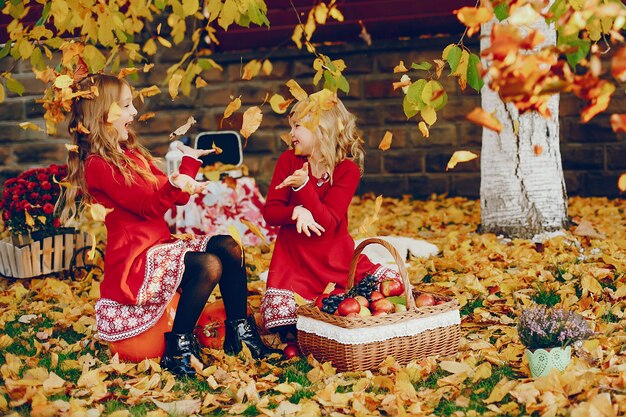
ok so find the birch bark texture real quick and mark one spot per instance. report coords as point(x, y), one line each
point(522, 193)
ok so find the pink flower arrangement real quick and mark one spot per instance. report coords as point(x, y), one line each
point(28, 200)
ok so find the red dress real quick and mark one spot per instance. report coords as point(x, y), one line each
point(143, 264)
point(305, 265)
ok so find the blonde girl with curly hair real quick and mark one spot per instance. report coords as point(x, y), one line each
point(144, 266)
point(308, 198)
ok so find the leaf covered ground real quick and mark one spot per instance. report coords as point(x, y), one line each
point(51, 363)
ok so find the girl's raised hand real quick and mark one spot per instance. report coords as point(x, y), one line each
point(297, 179)
point(194, 153)
point(187, 184)
point(305, 223)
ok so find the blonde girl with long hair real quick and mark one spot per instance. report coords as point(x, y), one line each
point(144, 266)
point(309, 196)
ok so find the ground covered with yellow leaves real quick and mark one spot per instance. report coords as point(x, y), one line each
point(52, 364)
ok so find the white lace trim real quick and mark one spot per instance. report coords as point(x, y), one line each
point(377, 333)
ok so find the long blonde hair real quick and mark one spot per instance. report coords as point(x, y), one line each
point(337, 135)
point(90, 115)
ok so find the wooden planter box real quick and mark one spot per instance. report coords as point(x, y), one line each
point(42, 256)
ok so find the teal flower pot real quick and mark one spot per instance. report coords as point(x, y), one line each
point(542, 361)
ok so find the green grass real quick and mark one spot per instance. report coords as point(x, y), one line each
point(609, 317)
point(135, 410)
point(471, 305)
point(297, 373)
point(546, 297)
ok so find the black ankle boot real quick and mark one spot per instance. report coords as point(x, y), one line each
point(244, 330)
point(177, 355)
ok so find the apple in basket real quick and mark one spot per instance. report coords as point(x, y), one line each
point(382, 304)
point(375, 295)
point(362, 300)
point(319, 301)
point(391, 287)
point(364, 311)
point(424, 300)
point(347, 306)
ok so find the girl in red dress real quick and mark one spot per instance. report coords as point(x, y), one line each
point(309, 196)
point(144, 265)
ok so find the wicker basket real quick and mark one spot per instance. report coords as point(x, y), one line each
point(361, 343)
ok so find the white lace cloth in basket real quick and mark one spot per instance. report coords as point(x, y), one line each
point(377, 333)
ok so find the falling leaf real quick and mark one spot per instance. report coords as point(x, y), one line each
point(364, 34)
point(181, 130)
point(460, 156)
point(254, 229)
point(63, 81)
point(251, 69)
point(146, 116)
point(28, 219)
point(232, 107)
point(80, 128)
point(173, 84)
point(153, 90)
point(296, 91)
point(385, 143)
point(267, 67)
point(621, 182)
point(618, 122)
point(423, 129)
point(71, 148)
point(585, 228)
point(127, 71)
point(537, 149)
point(30, 125)
point(147, 67)
point(404, 84)
point(234, 233)
point(300, 301)
point(473, 17)
point(279, 104)
point(251, 121)
point(485, 119)
point(200, 82)
point(216, 148)
point(114, 113)
point(98, 212)
point(400, 68)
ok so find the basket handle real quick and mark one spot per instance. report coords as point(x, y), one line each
point(408, 291)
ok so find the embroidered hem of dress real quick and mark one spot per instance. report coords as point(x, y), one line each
point(278, 308)
point(159, 285)
point(365, 335)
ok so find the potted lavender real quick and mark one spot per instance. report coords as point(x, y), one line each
point(547, 334)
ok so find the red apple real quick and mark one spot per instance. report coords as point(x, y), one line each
point(399, 308)
point(319, 301)
point(291, 351)
point(362, 300)
point(376, 295)
point(440, 302)
point(424, 300)
point(347, 306)
point(382, 304)
point(391, 287)
point(379, 313)
point(353, 315)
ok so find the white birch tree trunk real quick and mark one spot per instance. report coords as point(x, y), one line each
point(521, 194)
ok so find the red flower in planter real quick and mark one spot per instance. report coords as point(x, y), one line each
point(30, 197)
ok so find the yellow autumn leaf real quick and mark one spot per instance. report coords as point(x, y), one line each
point(216, 148)
point(254, 229)
point(98, 212)
point(279, 104)
point(423, 129)
point(200, 82)
point(461, 69)
point(251, 69)
point(460, 156)
point(71, 148)
point(300, 301)
point(146, 116)
point(251, 121)
point(181, 130)
point(590, 284)
point(234, 233)
point(114, 113)
point(325, 99)
point(621, 182)
point(485, 119)
point(153, 90)
point(295, 90)
point(172, 86)
point(429, 115)
point(164, 42)
point(385, 143)
point(2, 93)
point(30, 125)
point(267, 67)
point(232, 107)
point(400, 68)
point(28, 219)
point(63, 81)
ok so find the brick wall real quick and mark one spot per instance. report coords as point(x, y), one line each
point(593, 156)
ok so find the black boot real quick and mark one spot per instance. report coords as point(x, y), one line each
point(177, 355)
point(244, 330)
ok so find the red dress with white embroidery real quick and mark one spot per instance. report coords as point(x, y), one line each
point(143, 264)
point(302, 264)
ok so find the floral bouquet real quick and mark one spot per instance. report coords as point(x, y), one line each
point(28, 201)
point(545, 327)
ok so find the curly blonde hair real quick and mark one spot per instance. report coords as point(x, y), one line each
point(336, 132)
point(90, 114)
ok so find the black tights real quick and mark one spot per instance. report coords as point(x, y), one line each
point(220, 263)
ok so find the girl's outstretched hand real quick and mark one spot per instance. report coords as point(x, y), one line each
point(186, 183)
point(297, 179)
point(194, 153)
point(305, 223)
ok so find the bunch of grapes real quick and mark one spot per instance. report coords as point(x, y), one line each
point(330, 303)
point(365, 287)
